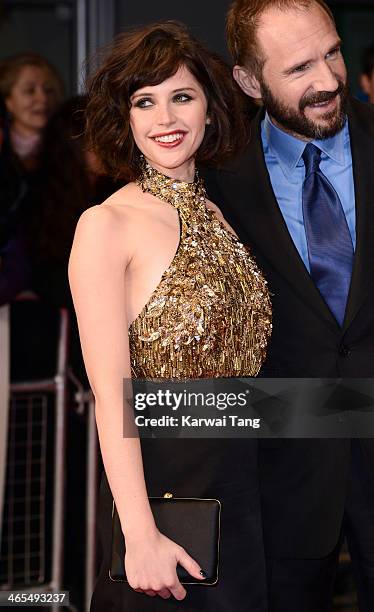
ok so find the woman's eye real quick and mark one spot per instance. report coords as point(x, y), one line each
point(182, 97)
point(143, 103)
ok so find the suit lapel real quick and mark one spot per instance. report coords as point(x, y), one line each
point(247, 184)
point(362, 146)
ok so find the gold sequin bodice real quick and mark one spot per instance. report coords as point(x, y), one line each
point(210, 315)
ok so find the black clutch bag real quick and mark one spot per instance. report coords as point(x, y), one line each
point(190, 522)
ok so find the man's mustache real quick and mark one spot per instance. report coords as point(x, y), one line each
point(321, 96)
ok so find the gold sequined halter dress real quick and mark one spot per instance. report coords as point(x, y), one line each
point(210, 315)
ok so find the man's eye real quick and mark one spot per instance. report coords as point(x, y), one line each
point(143, 103)
point(182, 97)
point(301, 68)
point(333, 53)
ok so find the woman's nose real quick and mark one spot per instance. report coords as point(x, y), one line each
point(166, 115)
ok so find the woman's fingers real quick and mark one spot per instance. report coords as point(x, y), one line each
point(190, 565)
point(158, 574)
point(177, 590)
point(146, 592)
point(164, 593)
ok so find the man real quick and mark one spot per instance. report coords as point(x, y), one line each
point(302, 195)
point(367, 76)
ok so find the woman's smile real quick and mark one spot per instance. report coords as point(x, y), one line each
point(169, 139)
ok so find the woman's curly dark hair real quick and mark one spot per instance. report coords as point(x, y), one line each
point(148, 56)
point(63, 189)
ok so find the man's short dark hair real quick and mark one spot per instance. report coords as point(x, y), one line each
point(242, 23)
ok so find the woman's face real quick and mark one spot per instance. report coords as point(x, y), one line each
point(168, 123)
point(32, 100)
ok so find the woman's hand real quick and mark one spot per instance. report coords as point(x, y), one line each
point(151, 566)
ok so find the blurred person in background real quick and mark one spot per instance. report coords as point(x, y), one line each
point(367, 72)
point(15, 272)
point(30, 91)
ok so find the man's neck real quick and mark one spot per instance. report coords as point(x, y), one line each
point(289, 132)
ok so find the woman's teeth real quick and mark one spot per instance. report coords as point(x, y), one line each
point(169, 138)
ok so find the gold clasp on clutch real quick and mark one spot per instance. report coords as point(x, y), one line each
point(168, 495)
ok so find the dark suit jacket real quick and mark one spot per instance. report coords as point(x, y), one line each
point(304, 482)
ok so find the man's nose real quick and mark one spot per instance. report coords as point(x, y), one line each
point(325, 78)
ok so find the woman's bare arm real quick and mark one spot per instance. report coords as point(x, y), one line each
point(96, 272)
point(101, 253)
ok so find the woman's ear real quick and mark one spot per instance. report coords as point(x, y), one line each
point(247, 82)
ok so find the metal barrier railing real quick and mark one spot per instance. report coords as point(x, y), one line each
point(86, 404)
point(4, 397)
point(32, 546)
point(32, 542)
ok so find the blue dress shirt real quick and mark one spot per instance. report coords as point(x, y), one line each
point(283, 157)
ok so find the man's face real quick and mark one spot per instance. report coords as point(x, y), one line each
point(304, 80)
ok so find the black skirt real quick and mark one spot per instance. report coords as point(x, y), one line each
point(222, 469)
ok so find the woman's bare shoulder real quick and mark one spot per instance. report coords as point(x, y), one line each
point(117, 215)
point(127, 200)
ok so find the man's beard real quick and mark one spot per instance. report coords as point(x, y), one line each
point(297, 123)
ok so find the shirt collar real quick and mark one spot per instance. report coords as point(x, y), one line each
point(288, 149)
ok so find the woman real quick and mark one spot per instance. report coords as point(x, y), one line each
point(31, 90)
point(163, 289)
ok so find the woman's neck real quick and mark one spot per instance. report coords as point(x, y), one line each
point(24, 143)
point(185, 172)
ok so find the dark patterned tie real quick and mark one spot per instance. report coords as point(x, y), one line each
point(330, 246)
